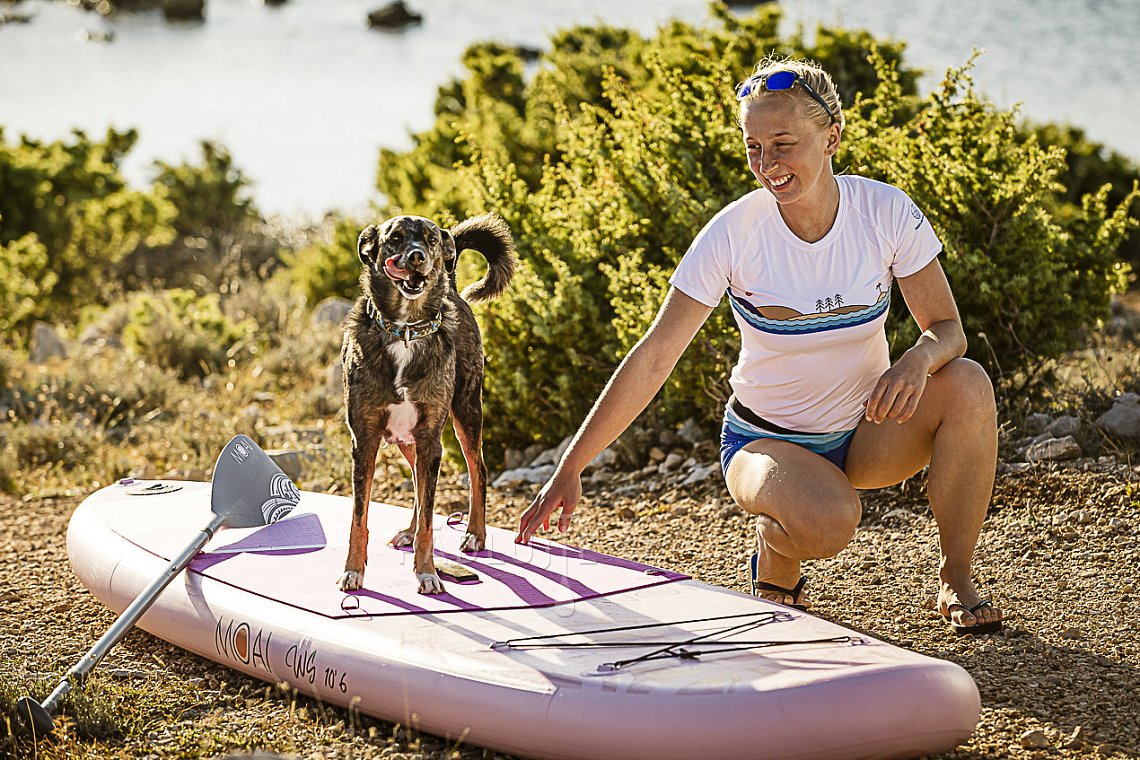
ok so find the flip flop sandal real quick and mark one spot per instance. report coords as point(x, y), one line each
point(972, 630)
point(758, 586)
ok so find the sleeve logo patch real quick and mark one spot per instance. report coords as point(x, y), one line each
point(916, 214)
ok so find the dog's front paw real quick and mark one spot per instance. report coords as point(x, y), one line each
point(351, 580)
point(429, 583)
point(403, 539)
point(472, 543)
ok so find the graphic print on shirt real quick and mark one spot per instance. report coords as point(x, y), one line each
point(831, 314)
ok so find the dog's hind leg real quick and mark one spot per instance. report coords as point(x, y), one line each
point(364, 447)
point(406, 537)
point(467, 417)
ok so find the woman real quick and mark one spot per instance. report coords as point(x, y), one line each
point(817, 410)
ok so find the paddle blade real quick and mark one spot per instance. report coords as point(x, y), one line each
point(248, 488)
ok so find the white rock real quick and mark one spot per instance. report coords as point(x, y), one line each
point(672, 462)
point(512, 459)
point(1053, 450)
point(522, 475)
point(701, 473)
point(562, 448)
point(1123, 419)
point(1065, 425)
point(606, 458)
point(331, 312)
point(1037, 423)
point(46, 344)
point(691, 432)
point(551, 456)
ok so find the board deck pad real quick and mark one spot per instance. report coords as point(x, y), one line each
point(305, 553)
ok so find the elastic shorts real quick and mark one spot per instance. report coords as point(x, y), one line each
point(737, 433)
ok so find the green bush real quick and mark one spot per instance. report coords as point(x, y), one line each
point(1089, 166)
point(218, 235)
point(609, 159)
point(328, 266)
point(185, 332)
point(605, 163)
point(67, 218)
point(1027, 277)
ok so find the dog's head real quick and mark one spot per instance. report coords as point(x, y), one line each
point(409, 251)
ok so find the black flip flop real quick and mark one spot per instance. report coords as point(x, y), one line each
point(972, 630)
point(758, 586)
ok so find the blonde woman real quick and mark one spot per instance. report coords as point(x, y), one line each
point(818, 411)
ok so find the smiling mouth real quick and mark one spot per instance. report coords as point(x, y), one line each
point(409, 282)
point(780, 182)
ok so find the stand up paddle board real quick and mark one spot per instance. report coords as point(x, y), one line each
point(543, 650)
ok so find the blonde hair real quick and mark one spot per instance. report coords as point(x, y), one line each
point(810, 72)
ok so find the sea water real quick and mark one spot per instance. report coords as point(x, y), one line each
point(304, 95)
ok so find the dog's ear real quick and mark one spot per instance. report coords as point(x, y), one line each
point(368, 244)
point(450, 255)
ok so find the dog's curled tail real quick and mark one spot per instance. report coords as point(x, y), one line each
point(489, 235)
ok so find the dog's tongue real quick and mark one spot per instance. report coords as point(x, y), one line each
point(394, 271)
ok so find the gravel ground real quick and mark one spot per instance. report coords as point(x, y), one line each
point(1060, 553)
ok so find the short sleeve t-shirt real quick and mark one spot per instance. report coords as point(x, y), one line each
point(811, 315)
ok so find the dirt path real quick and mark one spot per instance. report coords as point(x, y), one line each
point(1061, 552)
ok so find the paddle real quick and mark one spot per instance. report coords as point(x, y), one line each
point(248, 490)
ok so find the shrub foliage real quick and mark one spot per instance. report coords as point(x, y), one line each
point(610, 157)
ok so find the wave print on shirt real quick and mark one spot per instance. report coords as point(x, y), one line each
point(782, 320)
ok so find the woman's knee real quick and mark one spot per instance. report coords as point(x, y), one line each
point(822, 529)
point(966, 387)
point(836, 533)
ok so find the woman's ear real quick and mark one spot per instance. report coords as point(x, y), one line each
point(834, 135)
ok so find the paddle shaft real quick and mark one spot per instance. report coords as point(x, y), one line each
point(129, 617)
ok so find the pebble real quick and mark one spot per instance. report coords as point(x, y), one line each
point(1072, 632)
point(1034, 740)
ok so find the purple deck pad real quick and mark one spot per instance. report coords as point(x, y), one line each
point(298, 561)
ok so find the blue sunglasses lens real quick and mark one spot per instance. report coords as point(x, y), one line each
point(781, 80)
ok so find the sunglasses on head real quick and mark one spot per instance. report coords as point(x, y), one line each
point(776, 81)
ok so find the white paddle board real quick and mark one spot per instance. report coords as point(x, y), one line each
point(552, 652)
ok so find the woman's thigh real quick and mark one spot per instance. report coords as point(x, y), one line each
point(887, 453)
point(798, 488)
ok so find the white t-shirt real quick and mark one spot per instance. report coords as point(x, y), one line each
point(811, 315)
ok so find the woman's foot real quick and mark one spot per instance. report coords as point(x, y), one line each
point(774, 569)
point(960, 604)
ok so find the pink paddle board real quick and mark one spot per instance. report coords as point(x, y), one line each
point(552, 652)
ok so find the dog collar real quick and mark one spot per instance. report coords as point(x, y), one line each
point(405, 331)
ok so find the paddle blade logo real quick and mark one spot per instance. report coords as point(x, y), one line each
point(249, 488)
point(284, 496)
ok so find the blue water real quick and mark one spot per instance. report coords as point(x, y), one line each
point(304, 95)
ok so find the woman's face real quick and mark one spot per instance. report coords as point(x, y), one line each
point(789, 154)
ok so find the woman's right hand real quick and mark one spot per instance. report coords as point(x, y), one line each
point(562, 491)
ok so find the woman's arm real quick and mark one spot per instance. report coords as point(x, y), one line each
point(633, 385)
point(927, 295)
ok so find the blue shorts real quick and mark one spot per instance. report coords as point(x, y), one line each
point(736, 433)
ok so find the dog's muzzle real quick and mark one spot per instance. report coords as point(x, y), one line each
point(410, 282)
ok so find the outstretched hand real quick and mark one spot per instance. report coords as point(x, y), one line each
point(561, 492)
point(896, 395)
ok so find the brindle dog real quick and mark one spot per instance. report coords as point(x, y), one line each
point(412, 353)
